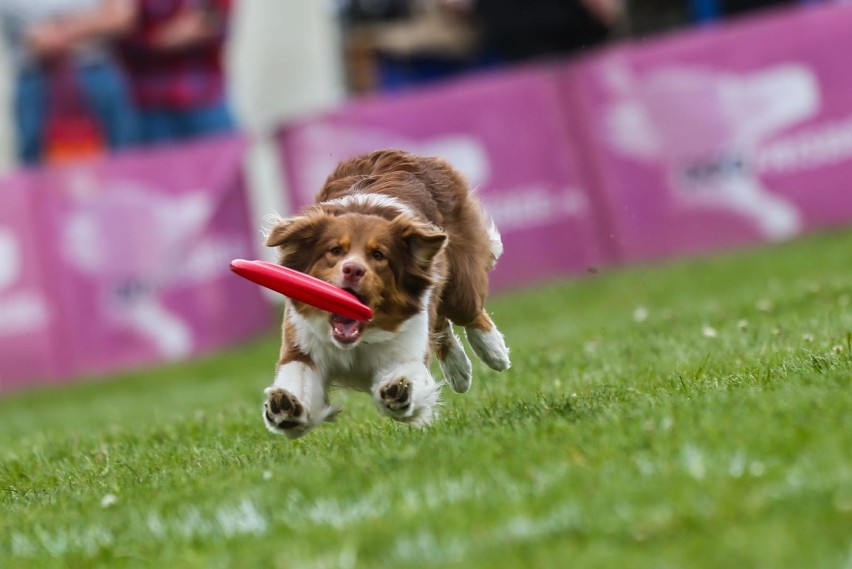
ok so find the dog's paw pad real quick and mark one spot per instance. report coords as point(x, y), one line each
point(396, 394)
point(282, 412)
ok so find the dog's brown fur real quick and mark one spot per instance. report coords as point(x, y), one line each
point(403, 233)
point(447, 212)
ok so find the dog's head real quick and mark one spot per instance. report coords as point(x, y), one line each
point(388, 263)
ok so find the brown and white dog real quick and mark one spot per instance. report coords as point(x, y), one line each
point(406, 236)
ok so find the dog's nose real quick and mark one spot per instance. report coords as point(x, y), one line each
point(353, 272)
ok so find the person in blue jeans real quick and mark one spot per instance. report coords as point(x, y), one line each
point(174, 59)
point(61, 51)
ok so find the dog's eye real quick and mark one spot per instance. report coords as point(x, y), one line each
point(378, 255)
point(336, 250)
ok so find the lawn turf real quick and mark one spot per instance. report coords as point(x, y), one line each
point(691, 414)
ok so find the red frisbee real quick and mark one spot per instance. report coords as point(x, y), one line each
point(302, 287)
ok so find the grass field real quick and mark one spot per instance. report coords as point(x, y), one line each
point(697, 414)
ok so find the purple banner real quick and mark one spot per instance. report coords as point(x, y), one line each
point(504, 132)
point(736, 134)
point(137, 250)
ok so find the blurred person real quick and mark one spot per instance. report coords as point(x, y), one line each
point(70, 96)
point(371, 11)
point(709, 10)
point(518, 30)
point(731, 7)
point(399, 43)
point(415, 42)
point(175, 60)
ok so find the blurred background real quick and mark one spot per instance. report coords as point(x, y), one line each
point(153, 136)
point(131, 62)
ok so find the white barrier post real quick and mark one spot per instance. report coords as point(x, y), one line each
point(284, 60)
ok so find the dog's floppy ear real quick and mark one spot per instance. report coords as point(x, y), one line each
point(295, 238)
point(422, 240)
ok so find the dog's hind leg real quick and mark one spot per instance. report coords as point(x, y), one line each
point(297, 401)
point(488, 343)
point(452, 358)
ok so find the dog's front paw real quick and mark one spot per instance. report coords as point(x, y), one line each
point(408, 394)
point(395, 395)
point(283, 414)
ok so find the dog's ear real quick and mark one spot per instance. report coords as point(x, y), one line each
point(423, 241)
point(295, 239)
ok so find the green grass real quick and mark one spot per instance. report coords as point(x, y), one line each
point(696, 414)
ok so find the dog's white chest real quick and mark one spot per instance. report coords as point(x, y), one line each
point(356, 367)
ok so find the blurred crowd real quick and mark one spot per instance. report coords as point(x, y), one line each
point(93, 75)
point(393, 44)
point(396, 43)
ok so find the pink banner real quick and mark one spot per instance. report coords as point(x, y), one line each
point(137, 249)
point(505, 132)
point(732, 135)
point(737, 134)
point(28, 315)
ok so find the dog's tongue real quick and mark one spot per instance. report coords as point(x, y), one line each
point(345, 328)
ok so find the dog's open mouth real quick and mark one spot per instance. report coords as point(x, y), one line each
point(346, 330)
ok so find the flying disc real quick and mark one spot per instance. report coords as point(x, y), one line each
point(303, 287)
